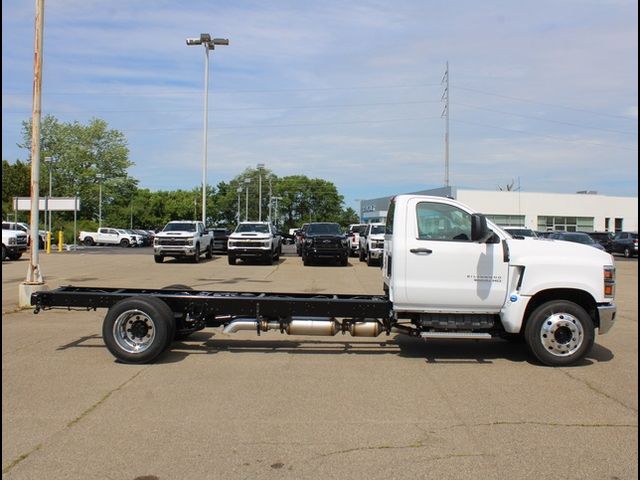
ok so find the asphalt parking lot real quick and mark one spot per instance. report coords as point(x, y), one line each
point(240, 406)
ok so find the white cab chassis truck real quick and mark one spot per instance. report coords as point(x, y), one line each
point(447, 273)
point(183, 239)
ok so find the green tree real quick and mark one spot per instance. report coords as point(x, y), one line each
point(82, 153)
point(16, 182)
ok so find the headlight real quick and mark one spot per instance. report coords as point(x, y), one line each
point(308, 241)
point(345, 242)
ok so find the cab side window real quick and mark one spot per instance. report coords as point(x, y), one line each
point(442, 222)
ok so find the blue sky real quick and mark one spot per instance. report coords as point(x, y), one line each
point(544, 93)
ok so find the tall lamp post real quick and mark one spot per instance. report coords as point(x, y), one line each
point(50, 161)
point(100, 177)
point(209, 44)
point(239, 190)
point(260, 167)
point(247, 181)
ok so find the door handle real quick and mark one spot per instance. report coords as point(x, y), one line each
point(419, 251)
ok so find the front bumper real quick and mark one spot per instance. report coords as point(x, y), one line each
point(326, 253)
point(182, 250)
point(249, 251)
point(607, 314)
point(376, 253)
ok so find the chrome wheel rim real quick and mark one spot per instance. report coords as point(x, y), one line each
point(134, 331)
point(562, 334)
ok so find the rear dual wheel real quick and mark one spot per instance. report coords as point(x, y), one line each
point(138, 329)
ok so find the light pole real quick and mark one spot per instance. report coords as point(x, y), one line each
point(275, 213)
point(239, 190)
point(47, 213)
point(100, 177)
point(247, 181)
point(209, 44)
point(260, 167)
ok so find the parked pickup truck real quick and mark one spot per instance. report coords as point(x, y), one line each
point(448, 273)
point(254, 240)
point(109, 236)
point(372, 244)
point(183, 238)
point(14, 244)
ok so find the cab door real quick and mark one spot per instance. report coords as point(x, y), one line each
point(445, 271)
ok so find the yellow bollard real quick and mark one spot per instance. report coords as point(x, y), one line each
point(48, 245)
point(60, 240)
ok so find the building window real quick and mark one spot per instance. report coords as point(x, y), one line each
point(507, 220)
point(618, 224)
point(567, 224)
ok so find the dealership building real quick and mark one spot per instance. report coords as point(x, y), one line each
point(582, 211)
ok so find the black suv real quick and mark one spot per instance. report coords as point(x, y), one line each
point(625, 243)
point(325, 240)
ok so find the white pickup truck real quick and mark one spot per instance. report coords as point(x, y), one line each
point(372, 244)
point(109, 236)
point(254, 240)
point(14, 243)
point(183, 238)
point(448, 273)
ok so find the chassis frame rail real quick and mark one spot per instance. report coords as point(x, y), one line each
point(211, 304)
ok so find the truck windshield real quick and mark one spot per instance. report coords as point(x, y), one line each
point(180, 227)
point(324, 228)
point(252, 227)
point(376, 229)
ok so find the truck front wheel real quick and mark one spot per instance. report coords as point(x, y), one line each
point(559, 332)
point(196, 255)
point(138, 329)
point(88, 241)
point(158, 258)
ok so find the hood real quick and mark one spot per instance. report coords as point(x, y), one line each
point(377, 236)
point(536, 250)
point(250, 235)
point(175, 233)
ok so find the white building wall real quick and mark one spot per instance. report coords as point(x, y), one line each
point(533, 204)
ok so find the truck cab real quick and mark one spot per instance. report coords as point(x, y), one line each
point(448, 269)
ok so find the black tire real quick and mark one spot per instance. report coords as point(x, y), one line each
point(344, 261)
point(231, 259)
point(209, 254)
point(138, 329)
point(124, 243)
point(269, 258)
point(559, 332)
point(15, 256)
point(196, 255)
point(158, 258)
point(370, 261)
point(361, 255)
point(4, 252)
point(305, 259)
point(89, 242)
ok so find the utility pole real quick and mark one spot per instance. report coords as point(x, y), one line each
point(34, 280)
point(445, 114)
